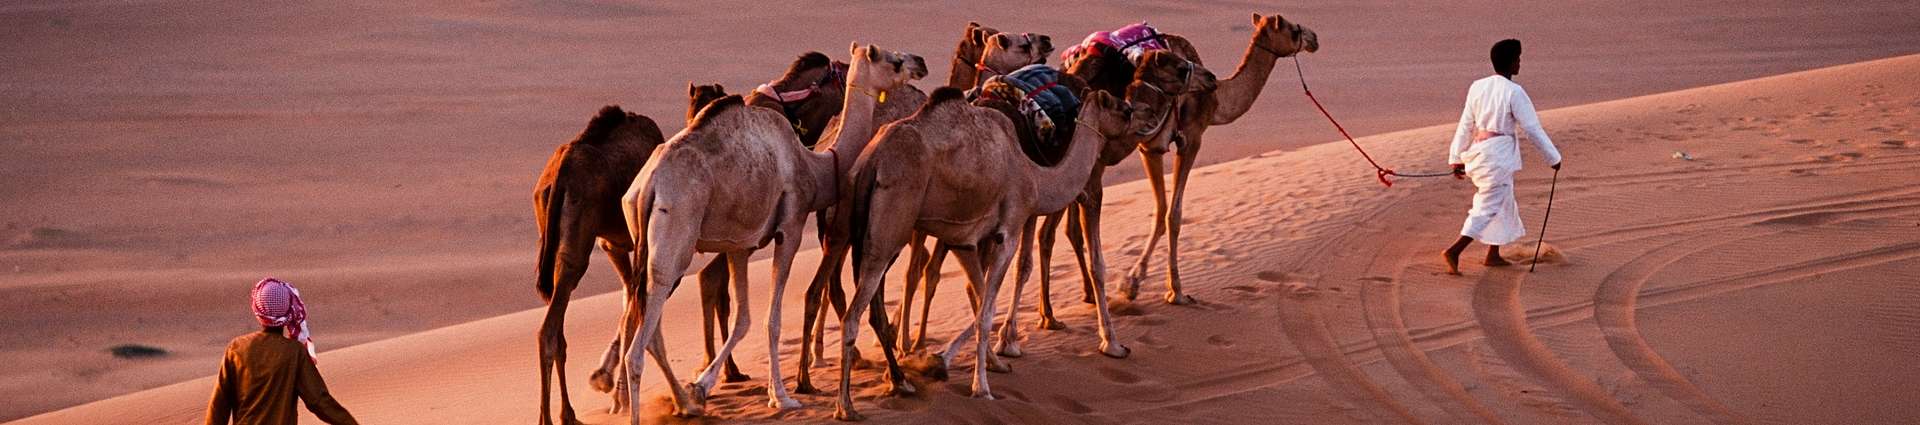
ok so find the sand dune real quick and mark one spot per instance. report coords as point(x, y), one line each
point(1765, 281)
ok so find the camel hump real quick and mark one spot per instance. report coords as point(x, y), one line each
point(713, 110)
point(942, 95)
point(601, 127)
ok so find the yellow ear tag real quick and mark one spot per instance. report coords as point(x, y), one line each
point(882, 98)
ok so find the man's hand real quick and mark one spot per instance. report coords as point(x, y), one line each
point(1556, 166)
point(1460, 171)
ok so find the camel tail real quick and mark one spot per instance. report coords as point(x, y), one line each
point(550, 237)
point(857, 222)
point(637, 221)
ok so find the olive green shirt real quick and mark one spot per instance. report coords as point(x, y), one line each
point(259, 379)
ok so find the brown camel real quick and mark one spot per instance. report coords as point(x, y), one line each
point(733, 181)
point(987, 50)
point(1273, 38)
point(981, 50)
point(955, 172)
point(1161, 78)
point(576, 202)
point(808, 94)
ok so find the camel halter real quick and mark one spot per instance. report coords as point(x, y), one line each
point(1378, 171)
point(789, 100)
point(1186, 84)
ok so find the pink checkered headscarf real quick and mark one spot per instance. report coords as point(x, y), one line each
point(277, 303)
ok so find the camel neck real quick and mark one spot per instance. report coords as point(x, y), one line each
point(1237, 93)
point(964, 73)
point(1057, 186)
point(856, 130)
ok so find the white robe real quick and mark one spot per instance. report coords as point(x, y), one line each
point(1496, 105)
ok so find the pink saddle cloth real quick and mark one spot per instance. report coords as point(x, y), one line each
point(1133, 40)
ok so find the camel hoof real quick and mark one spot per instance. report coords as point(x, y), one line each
point(783, 403)
point(998, 366)
point(844, 413)
point(1115, 350)
point(697, 394)
point(1087, 299)
point(735, 376)
point(1176, 299)
point(1047, 323)
point(1010, 350)
point(601, 381)
point(567, 418)
point(903, 389)
point(983, 395)
point(806, 387)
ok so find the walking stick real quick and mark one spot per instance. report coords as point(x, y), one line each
point(1543, 221)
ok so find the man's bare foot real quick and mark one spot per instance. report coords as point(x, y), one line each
point(1453, 262)
point(1497, 262)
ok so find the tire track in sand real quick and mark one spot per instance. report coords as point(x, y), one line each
point(1496, 304)
point(1380, 299)
point(1310, 336)
point(1614, 306)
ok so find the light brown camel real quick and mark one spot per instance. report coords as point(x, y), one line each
point(1161, 78)
point(987, 50)
point(733, 181)
point(955, 172)
point(1273, 38)
point(576, 201)
point(980, 49)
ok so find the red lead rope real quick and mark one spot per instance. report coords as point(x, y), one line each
point(1378, 171)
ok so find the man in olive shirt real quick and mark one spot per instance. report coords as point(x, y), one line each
point(264, 372)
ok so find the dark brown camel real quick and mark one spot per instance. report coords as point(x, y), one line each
point(576, 202)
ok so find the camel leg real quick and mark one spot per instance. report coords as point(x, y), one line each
point(1185, 158)
point(998, 257)
point(713, 303)
point(1083, 224)
point(1046, 238)
point(1152, 161)
point(1009, 345)
point(934, 262)
point(669, 249)
point(916, 269)
point(1096, 275)
point(812, 325)
point(737, 262)
point(970, 261)
point(553, 341)
point(783, 252)
point(882, 244)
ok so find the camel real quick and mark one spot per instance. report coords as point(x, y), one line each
point(1273, 38)
point(1161, 78)
point(984, 50)
point(575, 203)
point(980, 50)
point(955, 172)
point(734, 180)
point(808, 94)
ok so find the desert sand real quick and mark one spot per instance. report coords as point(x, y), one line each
point(161, 158)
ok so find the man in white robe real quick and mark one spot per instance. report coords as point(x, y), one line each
point(1486, 149)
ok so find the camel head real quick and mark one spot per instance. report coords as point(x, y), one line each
point(701, 95)
point(1006, 52)
point(1155, 118)
point(1100, 65)
point(1281, 38)
point(1167, 71)
point(878, 70)
point(1114, 120)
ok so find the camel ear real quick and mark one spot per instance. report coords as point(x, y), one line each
point(1002, 41)
point(975, 35)
point(719, 88)
point(690, 89)
point(873, 54)
point(1256, 19)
